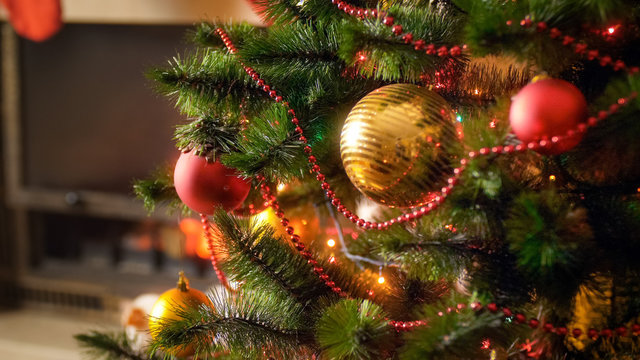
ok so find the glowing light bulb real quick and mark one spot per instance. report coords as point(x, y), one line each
point(459, 117)
point(331, 243)
point(611, 30)
point(486, 343)
point(281, 187)
point(262, 218)
point(332, 259)
point(381, 280)
point(552, 177)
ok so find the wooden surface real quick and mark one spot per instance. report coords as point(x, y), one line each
point(154, 11)
point(42, 335)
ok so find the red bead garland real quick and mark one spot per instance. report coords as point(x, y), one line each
point(438, 199)
point(398, 30)
point(581, 48)
point(206, 226)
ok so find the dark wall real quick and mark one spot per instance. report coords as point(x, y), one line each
point(92, 121)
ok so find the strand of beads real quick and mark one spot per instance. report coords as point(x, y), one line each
point(439, 198)
point(532, 322)
point(295, 238)
point(578, 47)
point(398, 30)
point(549, 327)
point(206, 227)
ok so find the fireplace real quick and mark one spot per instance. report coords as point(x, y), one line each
point(80, 122)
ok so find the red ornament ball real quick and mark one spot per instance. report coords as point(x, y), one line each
point(204, 185)
point(548, 108)
point(36, 20)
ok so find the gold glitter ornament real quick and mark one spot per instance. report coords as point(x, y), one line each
point(397, 144)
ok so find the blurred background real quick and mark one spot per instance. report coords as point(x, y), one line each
point(80, 122)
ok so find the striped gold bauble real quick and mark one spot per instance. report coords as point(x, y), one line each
point(397, 144)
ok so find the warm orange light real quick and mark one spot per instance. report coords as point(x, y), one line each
point(381, 280)
point(281, 187)
point(331, 243)
point(332, 259)
point(192, 230)
point(552, 177)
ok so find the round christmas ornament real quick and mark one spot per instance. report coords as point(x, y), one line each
point(169, 304)
point(397, 143)
point(36, 20)
point(548, 108)
point(204, 185)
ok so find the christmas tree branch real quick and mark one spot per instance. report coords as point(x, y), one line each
point(253, 255)
point(209, 82)
point(455, 335)
point(205, 34)
point(246, 323)
point(378, 53)
point(353, 329)
point(207, 136)
point(297, 57)
point(158, 189)
point(284, 12)
point(110, 346)
point(270, 147)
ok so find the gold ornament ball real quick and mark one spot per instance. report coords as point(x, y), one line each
point(397, 144)
point(169, 304)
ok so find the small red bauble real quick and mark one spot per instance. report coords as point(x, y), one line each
point(35, 20)
point(548, 108)
point(204, 185)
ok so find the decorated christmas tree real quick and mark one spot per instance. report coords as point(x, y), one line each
point(407, 179)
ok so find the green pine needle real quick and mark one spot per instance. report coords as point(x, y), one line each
point(110, 346)
point(158, 189)
point(265, 263)
point(378, 53)
point(248, 324)
point(209, 82)
point(353, 329)
point(207, 136)
point(269, 146)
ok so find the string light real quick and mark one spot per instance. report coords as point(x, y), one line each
point(380, 277)
point(331, 243)
point(611, 30)
point(486, 343)
point(459, 117)
point(552, 177)
point(332, 259)
point(281, 187)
